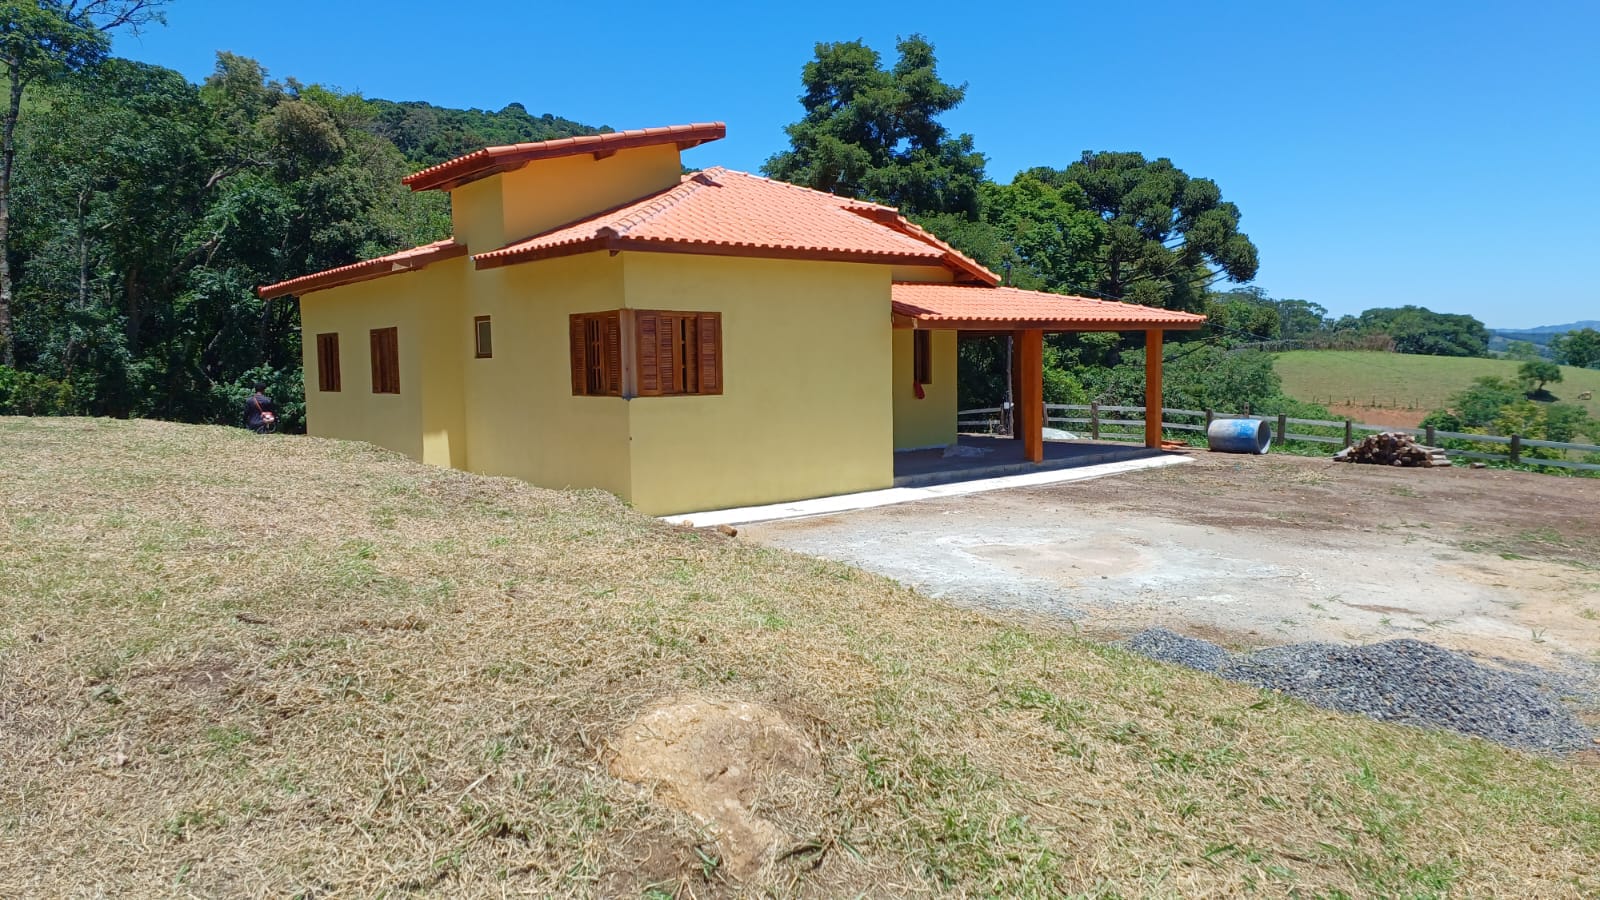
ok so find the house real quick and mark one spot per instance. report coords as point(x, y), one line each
point(687, 342)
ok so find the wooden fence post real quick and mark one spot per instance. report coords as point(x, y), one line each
point(1283, 428)
point(1349, 433)
point(1431, 439)
point(1247, 410)
point(1209, 416)
point(1094, 421)
point(1516, 448)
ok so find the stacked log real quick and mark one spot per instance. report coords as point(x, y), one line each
point(1392, 448)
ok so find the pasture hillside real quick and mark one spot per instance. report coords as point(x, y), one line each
point(1353, 378)
point(235, 665)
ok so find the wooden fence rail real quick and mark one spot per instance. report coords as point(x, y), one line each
point(997, 420)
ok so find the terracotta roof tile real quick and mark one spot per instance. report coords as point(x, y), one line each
point(404, 261)
point(493, 160)
point(973, 306)
point(722, 212)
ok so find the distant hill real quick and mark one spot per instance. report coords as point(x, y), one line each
point(428, 134)
point(1540, 337)
point(1551, 329)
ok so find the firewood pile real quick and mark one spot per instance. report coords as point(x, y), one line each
point(1392, 448)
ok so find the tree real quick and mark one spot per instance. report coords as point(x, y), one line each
point(40, 39)
point(1578, 348)
point(1523, 351)
point(1165, 236)
point(1537, 373)
point(874, 133)
point(1417, 329)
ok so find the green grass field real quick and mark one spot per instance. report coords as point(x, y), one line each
point(283, 666)
point(1402, 381)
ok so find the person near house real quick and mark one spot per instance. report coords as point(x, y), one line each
point(260, 415)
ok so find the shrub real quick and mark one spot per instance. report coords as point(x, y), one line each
point(27, 394)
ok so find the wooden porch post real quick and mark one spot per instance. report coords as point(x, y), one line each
point(1152, 388)
point(1030, 404)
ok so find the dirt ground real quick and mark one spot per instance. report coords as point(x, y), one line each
point(1369, 415)
point(1254, 551)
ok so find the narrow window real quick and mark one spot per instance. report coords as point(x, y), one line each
point(596, 347)
point(328, 362)
point(385, 361)
point(922, 356)
point(678, 353)
point(484, 334)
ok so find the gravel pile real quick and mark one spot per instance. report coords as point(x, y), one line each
point(1404, 681)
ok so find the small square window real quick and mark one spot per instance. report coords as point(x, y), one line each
point(484, 335)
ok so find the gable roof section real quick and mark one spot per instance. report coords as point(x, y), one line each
point(977, 307)
point(495, 160)
point(720, 212)
point(393, 264)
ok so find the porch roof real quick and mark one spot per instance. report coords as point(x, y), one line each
point(981, 308)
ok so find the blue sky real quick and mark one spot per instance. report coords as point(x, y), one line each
point(1442, 154)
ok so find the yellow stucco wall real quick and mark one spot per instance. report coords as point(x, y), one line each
point(931, 421)
point(423, 420)
point(805, 410)
point(934, 274)
point(519, 409)
point(494, 211)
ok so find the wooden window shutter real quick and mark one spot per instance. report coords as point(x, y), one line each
point(647, 331)
point(613, 354)
point(385, 361)
point(709, 343)
point(922, 356)
point(377, 361)
point(328, 362)
point(580, 368)
point(667, 354)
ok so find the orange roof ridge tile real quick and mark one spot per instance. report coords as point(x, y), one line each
point(504, 158)
point(662, 202)
point(402, 261)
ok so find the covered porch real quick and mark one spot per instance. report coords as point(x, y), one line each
point(1025, 317)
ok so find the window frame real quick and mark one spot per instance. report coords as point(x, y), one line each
point(329, 375)
point(482, 337)
point(385, 360)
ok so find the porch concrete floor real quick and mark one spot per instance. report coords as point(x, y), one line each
point(1003, 456)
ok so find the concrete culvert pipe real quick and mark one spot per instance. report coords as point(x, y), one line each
point(1239, 435)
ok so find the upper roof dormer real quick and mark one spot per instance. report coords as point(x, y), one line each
point(503, 194)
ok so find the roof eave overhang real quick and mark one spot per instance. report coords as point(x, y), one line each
point(487, 162)
point(620, 244)
point(299, 287)
point(902, 320)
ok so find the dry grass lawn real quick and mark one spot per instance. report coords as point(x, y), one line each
point(233, 665)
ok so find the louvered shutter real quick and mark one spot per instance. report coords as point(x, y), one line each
point(578, 346)
point(647, 330)
point(377, 361)
point(613, 354)
point(667, 354)
point(709, 347)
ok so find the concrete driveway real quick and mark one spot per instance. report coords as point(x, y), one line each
point(1252, 551)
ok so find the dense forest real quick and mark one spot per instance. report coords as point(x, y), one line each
point(140, 210)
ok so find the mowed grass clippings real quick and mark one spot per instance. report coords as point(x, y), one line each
point(279, 666)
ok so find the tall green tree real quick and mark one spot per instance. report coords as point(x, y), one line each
point(1166, 235)
point(1579, 348)
point(874, 133)
point(41, 39)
